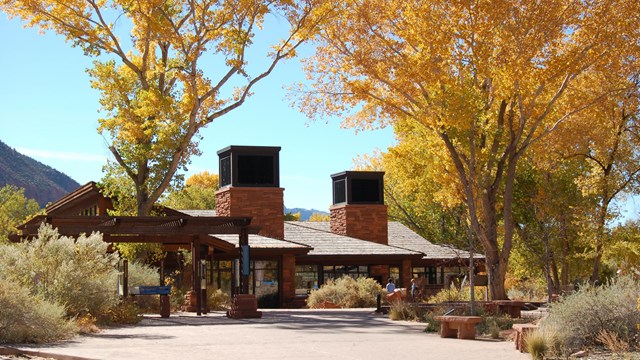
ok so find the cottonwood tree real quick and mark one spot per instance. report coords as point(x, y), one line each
point(15, 209)
point(610, 147)
point(199, 193)
point(486, 79)
point(167, 68)
point(547, 206)
point(412, 195)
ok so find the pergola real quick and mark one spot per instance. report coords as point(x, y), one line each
point(175, 230)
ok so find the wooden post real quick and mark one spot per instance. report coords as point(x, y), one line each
point(125, 278)
point(195, 266)
point(204, 252)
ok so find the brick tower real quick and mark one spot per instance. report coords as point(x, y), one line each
point(250, 186)
point(358, 208)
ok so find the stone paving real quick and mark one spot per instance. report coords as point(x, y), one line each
point(280, 334)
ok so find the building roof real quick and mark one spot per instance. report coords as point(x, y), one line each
point(198, 212)
point(318, 235)
point(263, 242)
point(403, 237)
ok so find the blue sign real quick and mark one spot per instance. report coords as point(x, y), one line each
point(150, 290)
point(245, 260)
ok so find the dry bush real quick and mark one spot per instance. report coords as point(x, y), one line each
point(611, 341)
point(536, 344)
point(77, 273)
point(455, 294)
point(583, 315)
point(404, 311)
point(30, 319)
point(218, 300)
point(145, 275)
point(124, 312)
point(346, 293)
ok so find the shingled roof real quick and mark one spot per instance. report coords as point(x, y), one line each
point(402, 236)
point(263, 242)
point(402, 241)
point(318, 235)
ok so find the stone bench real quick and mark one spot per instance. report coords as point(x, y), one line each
point(464, 327)
point(522, 331)
point(509, 307)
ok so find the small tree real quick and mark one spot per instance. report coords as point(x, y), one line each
point(15, 209)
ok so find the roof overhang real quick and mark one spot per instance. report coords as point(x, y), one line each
point(146, 229)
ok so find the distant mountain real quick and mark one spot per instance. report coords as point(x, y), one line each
point(305, 214)
point(41, 182)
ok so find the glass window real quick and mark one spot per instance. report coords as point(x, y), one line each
point(222, 276)
point(306, 279)
point(394, 273)
point(263, 280)
point(337, 271)
point(430, 273)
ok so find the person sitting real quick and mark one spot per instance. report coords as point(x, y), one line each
point(391, 287)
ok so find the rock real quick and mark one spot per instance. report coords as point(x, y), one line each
point(579, 354)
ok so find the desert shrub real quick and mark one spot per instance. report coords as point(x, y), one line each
point(404, 311)
point(30, 319)
point(145, 275)
point(592, 310)
point(536, 344)
point(493, 324)
point(78, 274)
point(123, 312)
point(455, 294)
point(347, 293)
point(531, 289)
point(87, 324)
point(176, 298)
point(218, 300)
point(611, 341)
point(433, 325)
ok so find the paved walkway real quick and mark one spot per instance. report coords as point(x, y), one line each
point(279, 335)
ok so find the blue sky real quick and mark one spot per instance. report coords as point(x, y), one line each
point(48, 111)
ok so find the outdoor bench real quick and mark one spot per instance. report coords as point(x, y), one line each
point(462, 326)
point(522, 331)
point(163, 291)
point(510, 307)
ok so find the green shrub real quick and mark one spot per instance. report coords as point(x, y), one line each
point(592, 310)
point(347, 293)
point(78, 274)
point(30, 319)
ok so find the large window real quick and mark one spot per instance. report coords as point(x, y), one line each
point(263, 282)
point(337, 271)
point(221, 275)
point(306, 279)
point(427, 272)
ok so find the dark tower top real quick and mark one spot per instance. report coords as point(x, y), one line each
point(249, 166)
point(358, 187)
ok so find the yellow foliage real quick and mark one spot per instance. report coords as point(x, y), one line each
point(154, 92)
point(469, 86)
